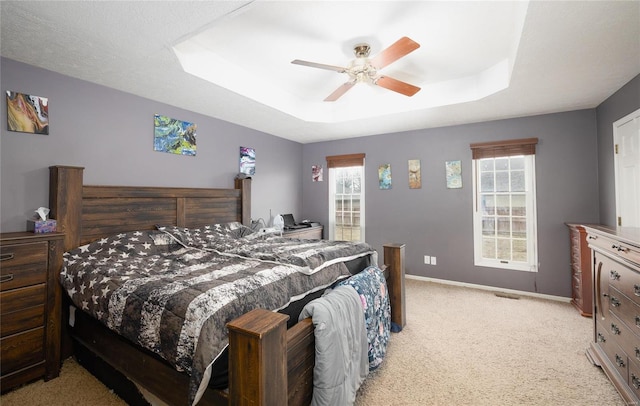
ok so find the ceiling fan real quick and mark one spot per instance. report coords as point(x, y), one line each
point(363, 69)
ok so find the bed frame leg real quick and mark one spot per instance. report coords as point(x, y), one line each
point(258, 359)
point(394, 260)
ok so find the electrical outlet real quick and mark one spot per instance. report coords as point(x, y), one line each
point(433, 260)
point(427, 259)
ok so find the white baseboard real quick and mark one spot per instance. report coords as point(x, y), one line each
point(490, 288)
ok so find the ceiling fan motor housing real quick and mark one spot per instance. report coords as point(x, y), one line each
point(361, 50)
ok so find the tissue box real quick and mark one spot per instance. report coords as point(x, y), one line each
point(41, 226)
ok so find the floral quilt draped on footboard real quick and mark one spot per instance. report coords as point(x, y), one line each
point(372, 288)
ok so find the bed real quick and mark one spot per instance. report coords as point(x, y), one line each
point(268, 363)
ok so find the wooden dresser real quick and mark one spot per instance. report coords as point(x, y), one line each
point(616, 295)
point(30, 307)
point(581, 281)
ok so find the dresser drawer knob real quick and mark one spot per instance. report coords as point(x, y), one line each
point(638, 353)
point(636, 290)
point(614, 302)
point(6, 278)
point(635, 381)
point(620, 361)
point(601, 338)
point(637, 321)
point(613, 275)
point(614, 329)
point(6, 257)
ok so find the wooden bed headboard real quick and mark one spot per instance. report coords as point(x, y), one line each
point(86, 213)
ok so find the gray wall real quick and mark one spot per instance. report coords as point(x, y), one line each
point(624, 101)
point(110, 133)
point(437, 221)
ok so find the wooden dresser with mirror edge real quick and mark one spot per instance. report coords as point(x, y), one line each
point(616, 306)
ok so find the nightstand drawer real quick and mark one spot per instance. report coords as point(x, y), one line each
point(22, 309)
point(22, 350)
point(23, 265)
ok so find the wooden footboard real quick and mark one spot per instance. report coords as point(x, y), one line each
point(260, 347)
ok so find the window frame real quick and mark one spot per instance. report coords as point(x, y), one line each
point(334, 164)
point(503, 149)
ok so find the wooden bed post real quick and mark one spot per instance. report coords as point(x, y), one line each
point(245, 187)
point(65, 202)
point(394, 259)
point(258, 359)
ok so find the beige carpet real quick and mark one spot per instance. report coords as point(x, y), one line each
point(460, 347)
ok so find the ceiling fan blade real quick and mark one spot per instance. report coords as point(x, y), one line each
point(397, 50)
point(340, 91)
point(319, 65)
point(397, 85)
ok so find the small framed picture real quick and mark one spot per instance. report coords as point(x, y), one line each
point(27, 113)
point(316, 171)
point(415, 178)
point(384, 176)
point(247, 161)
point(174, 136)
point(453, 170)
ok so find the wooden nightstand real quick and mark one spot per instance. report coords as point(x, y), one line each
point(307, 233)
point(30, 306)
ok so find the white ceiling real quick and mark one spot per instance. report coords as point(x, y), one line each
point(478, 60)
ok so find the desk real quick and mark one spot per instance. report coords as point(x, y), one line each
point(308, 233)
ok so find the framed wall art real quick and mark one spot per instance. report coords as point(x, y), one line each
point(247, 161)
point(384, 176)
point(174, 136)
point(27, 113)
point(453, 171)
point(415, 178)
point(316, 171)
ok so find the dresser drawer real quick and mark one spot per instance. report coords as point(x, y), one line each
point(616, 355)
point(625, 309)
point(620, 249)
point(22, 309)
point(576, 284)
point(624, 279)
point(23, 265)
point(576, 252)
point(625, 337)
point(634, 378)
point(22, 350)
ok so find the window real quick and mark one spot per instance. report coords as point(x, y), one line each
point(504, 214)
point(346, 197)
